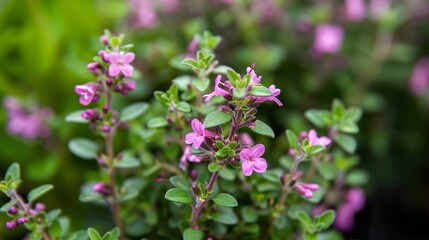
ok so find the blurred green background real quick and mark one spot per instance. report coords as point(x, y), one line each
point(45, 46)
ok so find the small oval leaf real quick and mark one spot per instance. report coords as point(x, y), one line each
point(38, 192)
point(133, 111)
point(225, 200)
point(83, 148)
point(216, 118)
point(177, 195)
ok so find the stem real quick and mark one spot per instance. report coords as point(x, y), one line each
point(114, 205)
point(312, 171)
point(196, 210)
point(23, 206)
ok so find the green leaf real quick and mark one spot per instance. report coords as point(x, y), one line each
point(239, 93)
point(305, 219)
point(181, 183)
point(76, 117)
point(346, 142)
point(338, 108)
point(8, 205)
point(192, 234)
point(133, 111)
point(128, 194)
point(348, 126)
point(93, 234)
point(192, 63)
point(292, 139)
point(38, 192)
point(315, 149)
point(353, 114)
point(225, 216)
point(357, 178)
point(214, 167)
point(249, 214)
point(221, 69)
point(115, 42)
point(310, 236)
point(325, 220)
point(263, 129)
point(83, 148)
point(319, 118)
point(183, 107)
point(157, 122)
point(13, 172)
point(233, 77)
point(225, 200)
point(327, 170)
point(177, 195)
point(127, 161)
point(260, 91)
point(216, 118)
point(201, 84)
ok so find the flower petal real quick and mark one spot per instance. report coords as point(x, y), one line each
point(114, 70)
point(246, 154)
point(312, 137)
point(247, 167)
point(190, 137)
point(114, 57)
point(128, 57)
point(324, 141)
point(258, 150)
point(127, 70)
point(260, 165)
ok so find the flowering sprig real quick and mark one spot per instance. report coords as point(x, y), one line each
point(113, 70)
point(32, 215)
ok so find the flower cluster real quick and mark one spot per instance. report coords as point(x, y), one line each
point(113, 70)
point(244, 95)
point(27, 122)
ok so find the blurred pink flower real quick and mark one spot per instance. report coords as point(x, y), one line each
point(355, 10)
point(144, 12)
point(306, 189)
point(328, 38)
point(354, 201)
point(419, 80)
point(87, 93)
point(313, 139)
point(27, 122)
point(251, 160)
point(379, 7)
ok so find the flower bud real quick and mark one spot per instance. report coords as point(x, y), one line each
point(89, 114)
point(11, 224)
point(22, 220)
point(104, 55)
point(12, 210)
point(109, 81)
point(104, 39)
point(193, 175)
point(105, 128)
point(106, 109)
point(40, 207)
point(101, 188)
point(92, 66)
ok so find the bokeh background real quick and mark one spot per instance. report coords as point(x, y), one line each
point(373, 54)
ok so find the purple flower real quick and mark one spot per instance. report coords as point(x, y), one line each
point(218, 90)
point(251, 160)
point(87, 93)
point(354, 201)
point(275, 92)
point(40, 207)
point(419, 80)
point(253, 77)
point(306, 189)
point(246, 139)
point(145, 13)
point(355, 10)
point(314, 140)
point(11, 224)
point(120, 62)
point(197, 137)
point(89, 114)
point(328, 38)
point(22, 220)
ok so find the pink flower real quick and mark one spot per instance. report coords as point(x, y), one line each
point(354, 201)
point(328, 38)
point(246, 139)
point(144, 12)
point(419, 80)
point(86, 92)
point(119, 62)
point(253, 77)
point(197, 137)
point(251, 160)
point(306, 189)
point(275, 92)
point(218, 91)
point(355, 10)
point(314, 140)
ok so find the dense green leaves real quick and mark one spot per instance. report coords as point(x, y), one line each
point(133, 111)
point(38, 192)
point(216, 118)
point(263, 129)
point(178, 195)
point(83, 148)
point(225, 200)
